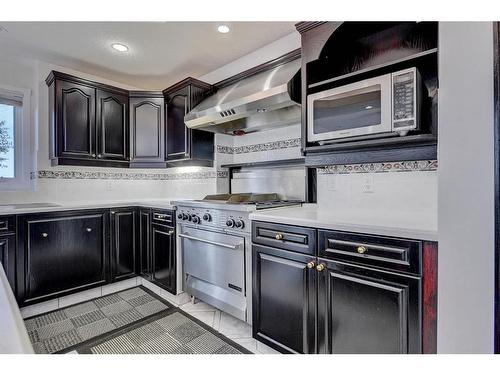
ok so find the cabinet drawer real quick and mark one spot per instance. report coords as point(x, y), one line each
point(7, 224)
point(163, 217)
point(300, 239)
point(385, 252)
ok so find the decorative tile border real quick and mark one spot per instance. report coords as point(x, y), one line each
point(275, 145)
point(401, 166)
point(83, 175)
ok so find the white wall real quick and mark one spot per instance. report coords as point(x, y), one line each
point(466, 228)
point(404, 197)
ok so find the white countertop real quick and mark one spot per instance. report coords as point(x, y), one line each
point(7, 209)
point(14, 338)
point(310, 215)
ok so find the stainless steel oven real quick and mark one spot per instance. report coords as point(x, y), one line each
point(373, 107)
point(214, 268)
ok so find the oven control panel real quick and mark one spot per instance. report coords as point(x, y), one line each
point(221, 219)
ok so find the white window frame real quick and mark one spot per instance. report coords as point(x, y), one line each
point(23, 152)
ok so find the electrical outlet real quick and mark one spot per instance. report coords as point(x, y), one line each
point(368, 184)
point(332, 182)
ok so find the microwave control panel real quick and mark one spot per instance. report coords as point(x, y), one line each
point(405, 86)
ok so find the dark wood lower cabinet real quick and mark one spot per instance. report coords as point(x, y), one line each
point(123, 243)
point(146, 258)
point(164, 257)
point(351, 294)
point(61, 253)
point(367, 311)
point(284, 303)
point(8, 258)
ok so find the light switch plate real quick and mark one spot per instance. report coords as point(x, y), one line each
point(332, 182)
point(368, 184)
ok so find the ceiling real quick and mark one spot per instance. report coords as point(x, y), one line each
point(161, 53)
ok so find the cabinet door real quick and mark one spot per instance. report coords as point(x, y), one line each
point(145, 243)
point(146, 129)
point(75, 111)
point(178, 134)
point(112, 126)
point(123, 255)
point(363, 311)
point(8, 258)
point(60, 254)
point(164, 258)
point(284, 300)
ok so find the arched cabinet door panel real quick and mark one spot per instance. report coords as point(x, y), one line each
point(112, 126)
point(147, 130)
point(75, 111)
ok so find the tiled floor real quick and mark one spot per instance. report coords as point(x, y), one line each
point(233, 328)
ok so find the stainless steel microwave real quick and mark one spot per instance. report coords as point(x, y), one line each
point(388, 104)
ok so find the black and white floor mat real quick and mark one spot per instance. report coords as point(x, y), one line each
point(130, 321)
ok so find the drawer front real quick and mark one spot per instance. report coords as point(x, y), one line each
point(299, 239)
point(164, 217)
point(384, 252)
point(7, 224)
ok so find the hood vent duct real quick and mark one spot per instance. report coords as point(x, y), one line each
point(265, 100)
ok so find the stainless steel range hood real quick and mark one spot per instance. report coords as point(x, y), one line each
point(262, 101)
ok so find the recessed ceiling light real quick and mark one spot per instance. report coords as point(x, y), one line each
point(223, 29)
point(119, 47)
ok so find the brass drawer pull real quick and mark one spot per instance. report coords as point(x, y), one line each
point(279, 236)
point(45, 235)
point(311, 265)
point(89, 230)
point(361, 249)
point(320, 267)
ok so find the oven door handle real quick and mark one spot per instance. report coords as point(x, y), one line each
point(232, 247)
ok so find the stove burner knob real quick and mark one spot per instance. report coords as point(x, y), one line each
point(184, 216)
point(179, 216)
point(189, 217)
point(230, 223)
point(196, 219)
point(240, 224)
point(207, 217)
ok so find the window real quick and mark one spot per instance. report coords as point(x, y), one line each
point(15, 150)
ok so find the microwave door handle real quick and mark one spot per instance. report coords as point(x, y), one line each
point(232, 247)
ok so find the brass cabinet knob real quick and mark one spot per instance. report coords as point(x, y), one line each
point(93, 155)
point(89, 230)
point(361, 249)
point(99, 156)
point(45, 235)
point(279, 236)
point(320, 267)
point(311, 265)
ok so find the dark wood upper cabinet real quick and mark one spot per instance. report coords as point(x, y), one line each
point(93, 124)
point(147, 129)
point(88, 122)
point(112, 126)
point(75, 118)
point(186, 146)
